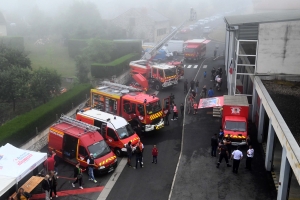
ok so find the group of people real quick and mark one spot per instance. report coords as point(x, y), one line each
point(224, 144)
point(139, 150)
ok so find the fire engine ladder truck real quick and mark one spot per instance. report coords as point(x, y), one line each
point(117, 86)
point(77, 123)
point(149, 55)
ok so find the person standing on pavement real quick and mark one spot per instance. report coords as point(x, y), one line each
point(192, 84)
point(181, 109)
point(78, 175)
point(214, 145)
point(237, 156)
point(91, 163)
point(250, 154)
point(175, 113)
point(185, 86)
point(53, 184)
point(154, 154)
point(228, 144)
point(223, 154)
point(197, 86)
point(138, 157)
point(56, 159)
point(221, 135)
point(46, 187)
point(49, 164)
point(167, 117)
point(195, 106)
point(204, 90)
point(204, 74)
point(213, 71)
point(210, 92)
point(129, 153)
point(248, 141)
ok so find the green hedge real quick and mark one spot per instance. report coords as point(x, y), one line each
point(13, 42)
point(22, 128)
point(75, 46)
point(115, 67)
point(124, 47)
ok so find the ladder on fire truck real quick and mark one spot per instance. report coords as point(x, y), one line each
point(120, 87)
point(77, 123)
point(151, 54)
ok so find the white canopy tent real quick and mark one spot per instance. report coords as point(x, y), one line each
point(15, 164)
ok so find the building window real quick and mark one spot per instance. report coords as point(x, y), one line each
point(132, 21)
point(161, 31)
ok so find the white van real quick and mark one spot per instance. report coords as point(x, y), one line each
point(175, 46)
point(206, 29)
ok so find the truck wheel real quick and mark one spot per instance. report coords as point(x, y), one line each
point(157, 86)
point(118, 152)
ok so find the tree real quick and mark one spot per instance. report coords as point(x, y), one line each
point(44, 83)
point(14, 84)
point(11, 57)
point(99, 51)
point(82, 66)
point(82, 21)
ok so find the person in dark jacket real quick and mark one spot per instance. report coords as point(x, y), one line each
point(78, 175)
point(129, 153)
point(192, 84)
point(138, 157)
point(53, 183)
point(214, 145)
point(223, 154)
point(46, 187)
point(204, 89)
point(181, 109)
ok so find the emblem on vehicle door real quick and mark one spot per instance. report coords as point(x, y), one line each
point(235, 110)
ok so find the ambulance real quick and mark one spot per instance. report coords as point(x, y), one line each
point(74, 141)
point(116, 131)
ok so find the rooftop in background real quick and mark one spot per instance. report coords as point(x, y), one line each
point(264, 17)
point(286, 96)
point(2, 19)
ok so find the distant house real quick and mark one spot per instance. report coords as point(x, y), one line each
point(143, 23)
point(3, 31)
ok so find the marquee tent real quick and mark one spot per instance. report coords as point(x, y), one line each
point(15, 164)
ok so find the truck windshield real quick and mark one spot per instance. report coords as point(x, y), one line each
point(153, 107)
point(188, 50)
point(99, 149)
point(125, 131)
point(235, 126)
point(170, 72)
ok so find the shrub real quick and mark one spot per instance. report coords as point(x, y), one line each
point(22, 128)
point(75, 46)
point(115, 67)
point(124, 47)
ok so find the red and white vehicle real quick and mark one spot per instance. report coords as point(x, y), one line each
point(195, 49)
point(148, 75)
point(235, 111)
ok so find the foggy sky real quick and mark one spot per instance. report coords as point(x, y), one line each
point(111, 8)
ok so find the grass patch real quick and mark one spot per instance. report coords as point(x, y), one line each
point(52, 56)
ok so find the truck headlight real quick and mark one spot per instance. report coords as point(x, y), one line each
point(101, 167)
point(148, 126)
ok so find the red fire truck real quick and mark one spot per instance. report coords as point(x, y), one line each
point(235, 118)
point(130, 103)
point(74, 140)
point(234, 111)
point(195, 49)
point(148, 75)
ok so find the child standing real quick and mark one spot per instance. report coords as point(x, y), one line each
point(154, 154)
point(205, 74)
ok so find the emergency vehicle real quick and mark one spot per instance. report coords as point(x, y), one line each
point(130, 103)
point(195, 49)
point(116, 131)
point(74, 141)
point(234, 111)
point(157, 76)
point(235, 118)
point(179, 67)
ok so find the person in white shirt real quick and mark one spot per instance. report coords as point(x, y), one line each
point(236, 155)
point(250, 154)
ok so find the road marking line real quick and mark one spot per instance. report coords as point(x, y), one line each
point(204, 66)
point(184, 66)
point(156, 93)
point(195, 66)
point(113, 179)
point(189, 66)
point(182, 136)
